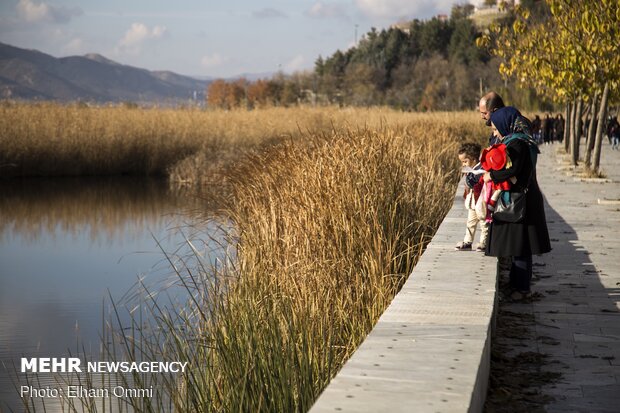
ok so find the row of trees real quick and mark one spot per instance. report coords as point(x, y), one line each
point(426, 65)
point(280, 90)
point(422, 65)
point(572, 56)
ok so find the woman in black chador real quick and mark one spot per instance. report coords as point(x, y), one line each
point(520, 240)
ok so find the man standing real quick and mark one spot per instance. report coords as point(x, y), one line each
point(488, 104)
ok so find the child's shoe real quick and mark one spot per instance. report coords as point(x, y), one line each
point(463, 246)
point(481, 248)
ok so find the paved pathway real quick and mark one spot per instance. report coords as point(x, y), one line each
point(569, 336)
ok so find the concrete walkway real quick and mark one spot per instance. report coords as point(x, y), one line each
point(568, 338)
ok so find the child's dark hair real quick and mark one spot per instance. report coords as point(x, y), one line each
point(471, 150)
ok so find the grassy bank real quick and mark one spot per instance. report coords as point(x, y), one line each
point(326, 230)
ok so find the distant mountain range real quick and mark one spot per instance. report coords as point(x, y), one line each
point(30, 74)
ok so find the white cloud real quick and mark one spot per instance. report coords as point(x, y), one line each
point(74, 46)
point(137, 35)
point(295, 64)
point(213, 60)
point(35, 12)
point(32, 12)
point(323, 10)
point(397, 9)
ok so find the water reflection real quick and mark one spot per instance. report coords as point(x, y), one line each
point(99, 208)
point(65, 244)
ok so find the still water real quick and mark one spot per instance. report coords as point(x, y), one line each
point(69, 245)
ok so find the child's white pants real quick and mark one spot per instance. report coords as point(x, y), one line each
point(472, 224)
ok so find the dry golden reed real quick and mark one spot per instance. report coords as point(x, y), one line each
point(48, 139)
point(327, 233)
point(327, 214)
point(326, 229)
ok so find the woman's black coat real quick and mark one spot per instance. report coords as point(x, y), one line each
point(531, 235)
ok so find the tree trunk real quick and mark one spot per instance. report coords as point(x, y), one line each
point(566, 125)
point(591, 132)
point(570, 124)
point(577, 136)
point(599, 129)
point(586, 112)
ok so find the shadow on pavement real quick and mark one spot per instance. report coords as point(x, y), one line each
point(557, 349)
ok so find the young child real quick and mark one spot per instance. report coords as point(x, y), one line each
point(469, 154)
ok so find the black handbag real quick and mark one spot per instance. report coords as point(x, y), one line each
point(512, 210)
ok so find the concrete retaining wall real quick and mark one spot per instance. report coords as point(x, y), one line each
point(430, 350)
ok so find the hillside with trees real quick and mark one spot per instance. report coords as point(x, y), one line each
point(418, 65)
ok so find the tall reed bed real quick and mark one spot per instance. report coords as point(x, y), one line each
point(326, 216)
point(327, 235)
point(52, 139)
point(325, 231)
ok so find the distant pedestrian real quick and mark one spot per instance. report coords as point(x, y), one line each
point(547, 126)
point(558, 128)
point(613, 132)
point(608, 125)
point(536, 124)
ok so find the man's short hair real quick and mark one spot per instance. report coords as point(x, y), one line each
point(494, 102)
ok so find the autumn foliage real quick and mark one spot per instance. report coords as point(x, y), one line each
point(240, 93)
point(572, 57)
point(226, 95)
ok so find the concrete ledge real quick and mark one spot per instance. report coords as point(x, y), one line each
point(430, 350)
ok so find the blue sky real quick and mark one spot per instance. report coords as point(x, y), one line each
point(204, 38)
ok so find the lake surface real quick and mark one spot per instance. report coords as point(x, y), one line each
point(67, 245)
